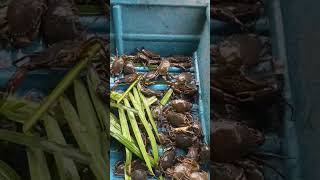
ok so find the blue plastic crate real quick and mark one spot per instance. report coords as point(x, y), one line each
point(167, 27)
point(271, 25)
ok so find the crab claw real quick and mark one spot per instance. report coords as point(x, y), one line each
point(16, 80)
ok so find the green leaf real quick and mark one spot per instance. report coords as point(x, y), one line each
point(83, 138)
point(87, 115)
point(126, 133)
point(150, 117)
point(98, 104)
point(166, 97)
point(38, 165)
point(7, 173)
point(123, 107)
point(129, 89)
point(44, 145)
point(66, 167)
point(138, 136)
point(151, 100)
point(115, 95)
point(147, 127)
point(61, 87)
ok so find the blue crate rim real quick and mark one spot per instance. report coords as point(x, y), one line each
point(185, 3)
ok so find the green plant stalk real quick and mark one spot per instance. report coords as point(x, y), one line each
point(115, 121)
point(137, 98)
point(87, 115)
point(151, 100)
point(115, 95)
point(92, 81)
point(98, 104)
point(129, 89)
point(44, 145)
point(147, 108)
point(124, 141)
point(126, 133)
point(67, 169)
point(83, 138)
point(17, 110)
point(138, 136)
point(166, 97)
point(7, 173)
point(147, 127)
point(61, 87)
point(123, 107)
point(38, 166)
point(115, 132)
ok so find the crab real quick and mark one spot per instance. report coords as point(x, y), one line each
point(117, 65)
point(61, 55)
point(181, 105)
point(241, 170)
point(225, 171)
point(179, 119)
point(236, 60)
point(61, 22)
point(241, 139)
point(22, 22)
point(126, 80)
point(236, 11)
point(167, 160)
point(186, 169)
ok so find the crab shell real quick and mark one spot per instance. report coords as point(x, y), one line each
point(236, 12)
point(227, 172)
point(63, 54)
point(241, 49)
point(24, 19)
point(241, 140)
point(61, 22)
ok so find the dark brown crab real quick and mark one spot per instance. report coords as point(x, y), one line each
point(241, 170)
point(179, 119)
point(185, 169)
point(150, 92)
point(184, 78)
point(61, 22)
point(242, 140)
point(181, 105)
point(167, 160)
point(182, 138)
point(22, 22)
point(61, 55)
point(236, 11)
point(117, 65)
point(126, 80)
point(224, 171)
point(236, 60)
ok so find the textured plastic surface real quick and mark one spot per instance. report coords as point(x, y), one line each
point(302, 31)
point(166, 27)
point(288, 145)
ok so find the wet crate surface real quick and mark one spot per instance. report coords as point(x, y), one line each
point(164, 27)
point(271, 25)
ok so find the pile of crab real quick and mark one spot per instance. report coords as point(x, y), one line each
point(246, 90)
point(180, 134)
point(63, 37)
